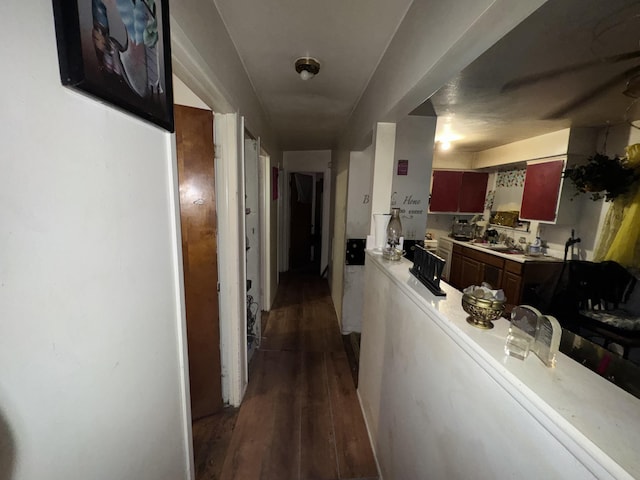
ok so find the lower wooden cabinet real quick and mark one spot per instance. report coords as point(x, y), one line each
point(471, 273)
point(522, 282)
point(512, 287)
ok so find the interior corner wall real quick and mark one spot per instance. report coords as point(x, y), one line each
point(415, 137)
point(91, 309)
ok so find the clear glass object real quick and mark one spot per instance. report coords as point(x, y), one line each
point(381, 221)
point(532, 331)
point(522, 331)
point(518, 345)
point(394, 229)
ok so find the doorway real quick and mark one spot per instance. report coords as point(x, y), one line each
point(305, 232)
point(196, 178)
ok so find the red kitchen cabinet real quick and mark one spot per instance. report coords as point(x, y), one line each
point(456, 191)
point(541, 194)
point(445, 191)
point(473, 192)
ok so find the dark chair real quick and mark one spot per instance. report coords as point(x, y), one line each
point(589, 303)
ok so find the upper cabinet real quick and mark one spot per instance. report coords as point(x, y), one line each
point(542, 185)
point(546, 197)
point(458, 192)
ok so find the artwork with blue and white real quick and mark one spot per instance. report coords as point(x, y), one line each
point(123, 54)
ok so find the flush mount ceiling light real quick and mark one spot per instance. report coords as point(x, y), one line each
point(307, 67)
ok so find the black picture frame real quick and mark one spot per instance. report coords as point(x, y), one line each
point(118, 51)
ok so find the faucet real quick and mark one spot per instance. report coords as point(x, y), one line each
point(570, 243)
point(509, 242)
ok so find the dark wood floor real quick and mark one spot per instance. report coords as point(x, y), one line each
point(300, 418)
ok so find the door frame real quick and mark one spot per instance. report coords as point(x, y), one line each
point(229, 148)
point(283, 250)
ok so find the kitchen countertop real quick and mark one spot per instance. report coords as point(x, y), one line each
point(520, 258)
point(596, 421)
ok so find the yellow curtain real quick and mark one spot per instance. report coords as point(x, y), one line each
point(625, 246)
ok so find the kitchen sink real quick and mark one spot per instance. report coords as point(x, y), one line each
point(501, 248)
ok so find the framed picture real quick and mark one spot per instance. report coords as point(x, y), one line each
point(119, 52)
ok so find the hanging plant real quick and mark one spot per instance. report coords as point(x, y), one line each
point(602, 177)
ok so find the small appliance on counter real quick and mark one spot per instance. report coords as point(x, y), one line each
point(463, 230)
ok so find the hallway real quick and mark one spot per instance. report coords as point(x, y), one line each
point(300, 418)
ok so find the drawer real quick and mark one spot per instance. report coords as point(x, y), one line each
point(483, 257)
point(513, 267)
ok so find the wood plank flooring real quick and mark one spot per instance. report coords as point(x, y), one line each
point(300, 418)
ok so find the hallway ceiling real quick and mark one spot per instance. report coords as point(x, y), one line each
point(349, 39)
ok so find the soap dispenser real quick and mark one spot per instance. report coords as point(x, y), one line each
point(536, 247)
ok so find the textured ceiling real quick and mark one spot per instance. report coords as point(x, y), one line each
point(562, 33)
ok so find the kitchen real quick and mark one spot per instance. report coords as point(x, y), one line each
point(523, 107)
point(431, 385)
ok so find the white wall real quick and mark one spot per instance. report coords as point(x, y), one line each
point(183, 95)
point(441, 397)
point(453, 159)
point(337, 233)
point(357, 226)
point(205, 58)
point(91, 311)
point(308, 161)
point(359, 193)
point(410, 193)
point(269, 233)
point(384, 144)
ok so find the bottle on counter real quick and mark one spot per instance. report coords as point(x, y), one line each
point(394, 230)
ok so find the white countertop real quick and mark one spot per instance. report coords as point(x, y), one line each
point(596, 420)
point(520, 258)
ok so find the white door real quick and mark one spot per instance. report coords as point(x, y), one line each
point(252, 238)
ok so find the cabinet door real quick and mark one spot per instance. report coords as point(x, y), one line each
point(455, 271)
point(471, 272)
point(542, 191)
point(473, 191)
point(445, 191)
point(492, 275)
point(512, 287)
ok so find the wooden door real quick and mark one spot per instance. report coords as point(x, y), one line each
point(194, 142)
point(301, 220)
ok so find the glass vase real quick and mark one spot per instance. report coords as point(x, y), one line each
point(394, 229)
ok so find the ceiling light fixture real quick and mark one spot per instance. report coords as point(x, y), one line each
point(307, 67)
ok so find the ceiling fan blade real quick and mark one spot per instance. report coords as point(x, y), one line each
point(556, 72)
point(592, 93)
